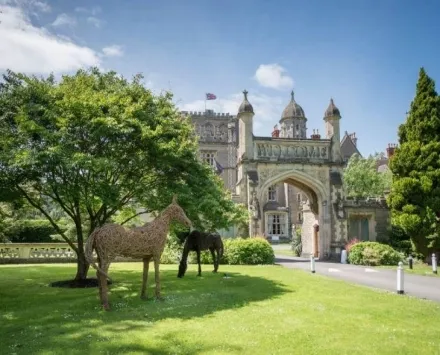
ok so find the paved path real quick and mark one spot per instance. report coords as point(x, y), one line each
point(425, 287)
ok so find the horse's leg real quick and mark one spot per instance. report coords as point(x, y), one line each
point(104, 285)
point(99, 280)
point(213, 259)
point(145, 278)
point(183, 261)
point(156, 259)
point(198, 262)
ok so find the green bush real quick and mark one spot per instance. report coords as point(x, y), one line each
point(251, 251)
point(237, 251)
point(373, 254)
point(297, 243)
point(399, 240)
point(30, 231)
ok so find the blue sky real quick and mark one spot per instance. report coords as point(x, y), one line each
point(364, 54)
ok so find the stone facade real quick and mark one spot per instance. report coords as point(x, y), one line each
point(368, 219)
point(288, 180)
point(271, 171)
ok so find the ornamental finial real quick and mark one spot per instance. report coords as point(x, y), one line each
point(245, 92)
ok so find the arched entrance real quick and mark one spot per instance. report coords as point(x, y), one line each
point(316, 219)
point(288, 158)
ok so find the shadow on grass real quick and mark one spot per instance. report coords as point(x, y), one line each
point(34, 315)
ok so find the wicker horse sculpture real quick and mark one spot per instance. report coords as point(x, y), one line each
point(146, 243)
point(198, 241)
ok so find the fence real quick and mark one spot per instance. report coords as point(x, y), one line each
point(38, 253)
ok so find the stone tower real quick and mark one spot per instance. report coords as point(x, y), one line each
point(331, 118)
point(293, 120)
point(245, 151)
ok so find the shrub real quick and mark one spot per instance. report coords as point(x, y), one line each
point(399, 240)
point(373, 254)
point(251, 251)
point(237, 251)
point(297, 243)
point(351, 243)
point(30, 231)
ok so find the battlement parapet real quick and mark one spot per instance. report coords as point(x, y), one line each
point(207, 113)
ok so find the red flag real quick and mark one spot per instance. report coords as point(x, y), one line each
point(210, 96)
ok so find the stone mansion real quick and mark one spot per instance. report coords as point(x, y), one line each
point(283, 204)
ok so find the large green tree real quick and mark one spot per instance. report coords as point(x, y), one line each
point(415, 193)
point(361, 178)
point(96, 146)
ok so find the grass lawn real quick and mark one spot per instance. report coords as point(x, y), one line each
point(419, 269)
point(258, 310)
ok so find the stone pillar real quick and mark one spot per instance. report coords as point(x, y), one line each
point(254, 209)
point(309, 220)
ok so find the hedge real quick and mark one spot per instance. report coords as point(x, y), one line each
point(237, 251)
point(373, 254)
point(30, 231)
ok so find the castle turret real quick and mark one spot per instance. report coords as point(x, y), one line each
point(245, 128)
point(293, 120)
point(331, 117)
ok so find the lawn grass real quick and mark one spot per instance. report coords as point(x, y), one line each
point(257, 310)
point(418, 269)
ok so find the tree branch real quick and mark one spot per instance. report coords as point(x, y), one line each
point(134, 216)
point(49, 218)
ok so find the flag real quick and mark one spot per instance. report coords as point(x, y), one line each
point(210, 96)
point(219, 169)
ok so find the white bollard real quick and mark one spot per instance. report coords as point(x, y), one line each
point(312, 263)
point(400, 279)
point(344, 257)
point(434, 264)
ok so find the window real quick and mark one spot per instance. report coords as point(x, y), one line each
point(272, 193)
point(209, 158)
point(300, 217)
point(276, 224)
point(298, 197)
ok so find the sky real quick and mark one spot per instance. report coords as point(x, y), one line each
point(365, 54)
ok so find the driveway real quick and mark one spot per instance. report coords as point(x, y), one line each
point(425, 287)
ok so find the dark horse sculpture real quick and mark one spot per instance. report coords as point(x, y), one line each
point(198, 241)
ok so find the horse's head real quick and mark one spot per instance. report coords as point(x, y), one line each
point(176, 213)
point(181, 236)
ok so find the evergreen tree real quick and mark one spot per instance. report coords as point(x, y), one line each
point(415, 194)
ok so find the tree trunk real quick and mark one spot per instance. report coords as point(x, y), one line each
point(82, 265)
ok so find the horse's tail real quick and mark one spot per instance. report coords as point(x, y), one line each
point(88, 251)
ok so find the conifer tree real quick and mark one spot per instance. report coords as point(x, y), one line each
point(415, 194)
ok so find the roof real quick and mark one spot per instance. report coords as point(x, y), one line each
point(292, 110)
point(332, 110)
point(348, 148)
point(245, 105)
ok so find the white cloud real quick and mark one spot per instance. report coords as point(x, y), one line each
point(30, 49)
point(273, 76)
point(93, 10)
point(64, 20)
point(42, 6)
point(95, 21)
point(113, 51)
point(267, 109)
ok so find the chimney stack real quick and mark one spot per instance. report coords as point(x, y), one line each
point(275, 132)
point(353, 138)
point(390, 150)
point(315, 135)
